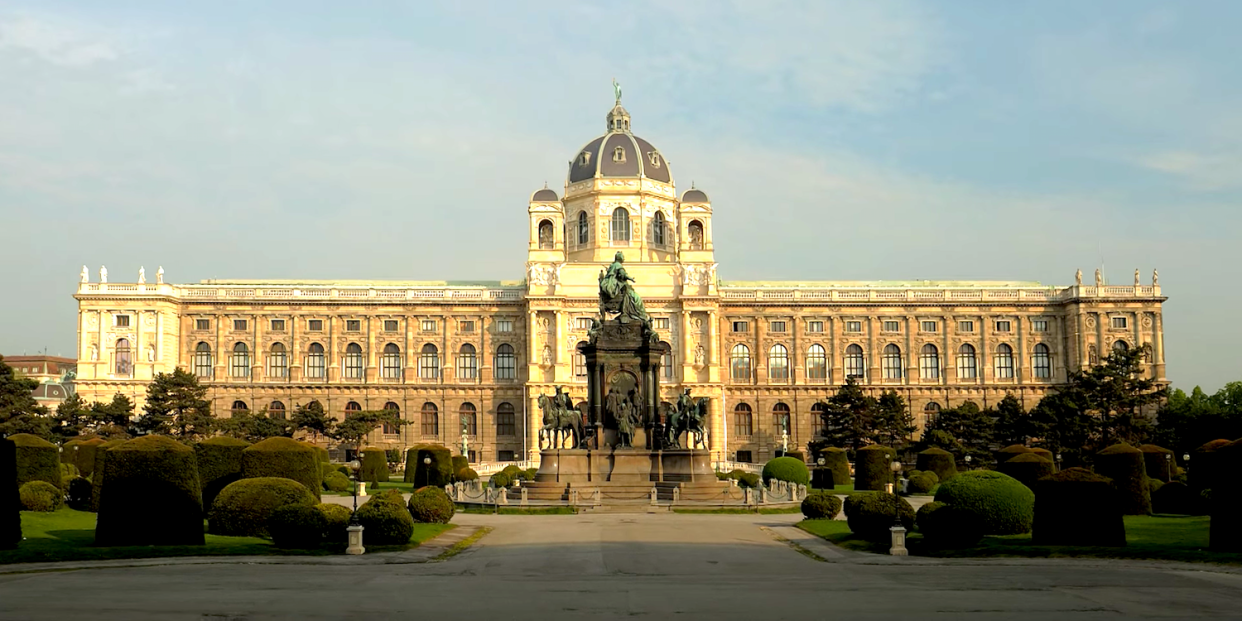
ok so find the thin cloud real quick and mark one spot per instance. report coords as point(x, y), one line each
point(56, 43)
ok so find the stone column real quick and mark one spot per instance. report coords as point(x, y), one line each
point(1158, 344)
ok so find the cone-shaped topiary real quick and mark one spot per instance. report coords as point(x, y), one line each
point(873, 467)
point(1010, 451)
point(1004, 505)
point(946, 526)
point(788, 469)
point(836, 460)
point(821, 506)
point(1203, 469)
point(1158, 461)
point(439, 472)
point(10, 497)
point(431, 505)
point(219, 463)
point(244, 507)
point(1124, 465)
point(282, 457)
point(385, 519)
point(870, 516)
point(1076, 507)
point(939, 461)
point(37, 460)
point(101, 453)
point(374, 465)
point(1027, 468)
point(150, 495)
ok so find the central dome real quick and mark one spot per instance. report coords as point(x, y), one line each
point(619, 153)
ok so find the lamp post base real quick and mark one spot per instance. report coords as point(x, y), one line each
point(355, 539)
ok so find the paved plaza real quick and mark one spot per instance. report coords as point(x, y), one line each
point(614, 566)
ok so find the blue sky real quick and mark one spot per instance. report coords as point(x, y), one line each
point(838, 140)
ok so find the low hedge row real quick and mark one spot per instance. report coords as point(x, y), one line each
point(946, 526)
point(297, 526)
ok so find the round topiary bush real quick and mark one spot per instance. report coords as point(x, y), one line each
point(1204, 470)
point(870, 516)
point(1077, 507)
point(1177, 498)
point(1005, 506)
point(219, 463)
point(938, 461)
point(297, 526)
point(374, 465)
point(1027, 468)
point(430, 505)
point(468, 474)
point(150, 495)
point(282, 457)
point(821, 506)
point(438, 473)
point(1046, 454)
point(10, 497)
point(873, 467)
point(1124, 465)
point(500, 480)
point(922, 482)
point(788, 469)
point(101, 453)
point(78, 495)
point(337, 482)
point(838, 462)
point(41, 496)
point(386, 520)
point(946, 526)
point(1158, 462)
point(1009, 452)
point(336, 520)
point(37, 460)
point(530, 473)
point(243, 507)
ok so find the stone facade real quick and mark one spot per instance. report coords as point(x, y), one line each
point(439, 351)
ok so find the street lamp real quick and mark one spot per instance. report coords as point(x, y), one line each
point(426, 470)
point(896, 468)
point(1058, 456)
point(354, 530)
point(1168, 466)
point(821, 461)
point(898, 530)
point(968, 462)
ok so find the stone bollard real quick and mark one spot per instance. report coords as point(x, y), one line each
point(763, 496)
point(354, 532)
point(899, 541)
point(599, 497)
point(524, 499)
point(654, 496)
point(676, 494)
point(573, 497)
point(502, 497)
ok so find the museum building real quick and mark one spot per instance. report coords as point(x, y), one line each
point(472, 358)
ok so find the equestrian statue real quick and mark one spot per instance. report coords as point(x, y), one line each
point(560, 417)
point(686, 416)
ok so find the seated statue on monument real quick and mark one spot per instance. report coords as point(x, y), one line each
point(617, 295)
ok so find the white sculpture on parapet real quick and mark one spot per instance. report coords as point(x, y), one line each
point(1155, 277)
point(1099, 277)
point(142, 275)
point(159, 276)
point(1078, 277)
point(103, 274)
point(1136, 277)
point(86, 275)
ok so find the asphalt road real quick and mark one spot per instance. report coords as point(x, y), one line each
point(617, 566)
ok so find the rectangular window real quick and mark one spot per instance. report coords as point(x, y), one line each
point(853, 326)
point(1119, 322)
point(743, 424)
point(504, 325)
point(278, 325)
point(1039, 325)
point(965, 326)
point(891, 326)
point(777, 326)
point(582, 323)
point(466, 326)
point(661, 323)
point(580, 368)
point(202, 324)
point(1002, 326)
point(391, 325)
point(239, 325)
point(814, 326)
point(353, 325)
point(741, 326)
point(927, 326)
point(429, 325)
point(505, 456)
point(122, 321)
point(744, 457)
point(315, 325)
point(506, 425)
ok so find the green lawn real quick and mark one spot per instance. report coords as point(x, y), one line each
point(68, 535)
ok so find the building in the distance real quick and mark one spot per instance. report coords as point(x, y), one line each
point(478, 354)
point(55, 375)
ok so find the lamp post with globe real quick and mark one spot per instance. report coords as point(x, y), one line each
point(354, 530)
point(426, 471)
point(898, 530)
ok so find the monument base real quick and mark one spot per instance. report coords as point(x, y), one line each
point(628, 474)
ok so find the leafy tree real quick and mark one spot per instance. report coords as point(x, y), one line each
point(358, 425)
point(962, 430)
point(849, 417)
point(253, 427)
point(1116, 393)
point(312, 419)
point(1185, 422)
point(176, 406)
point(1064, 425)
point(892, 422)
point(19, 411)
point(1013, 425)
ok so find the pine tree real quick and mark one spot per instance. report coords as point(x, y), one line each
point(176, 406)
point(358, 425)
point(313, 419)
point(892, 423)
point(1013, 425)
point(19, 411)
point(849, 417)
point(962, 430)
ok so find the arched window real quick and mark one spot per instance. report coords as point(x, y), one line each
point(666, 362)
point(469, 418)
point(316, 362)
point(855, 362)
point(389, 428)
point(743, 421)
point(430, 420)
point(1118, 346)
point(1004, 362)
point(467, 363)
point(818, 410)
point(816, 363)
point(618, 154)
point(967, 362)
point(124, 357)
point(580, 368)
point(930, 412)
point(929, 362)
point(506, 362)
point(778, 362)
point(739, 362)
point(278, 361)
point(352, 408)
point(890, 362)
point(781, 421)
point(239, 364)
point(390, 362)
point(1041, 362)
point(353, 361)
point(546, 240)
point(584, 228)
point(658, 229)
point(620, 225)
point(695, 232)
point(506, 420)
point(276, 411)
point(238, 407)
point(202, 360)
point(429, 362)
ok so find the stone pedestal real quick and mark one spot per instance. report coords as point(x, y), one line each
point(354, 532)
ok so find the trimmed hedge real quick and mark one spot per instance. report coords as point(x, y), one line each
point(150, 495)
point(922, 482)
point(1124, 465)
point(336, 519)
point(1226, 500)
point(798, 455)
point(438, 473)
point(282, 457)
point(37, 460)
point(321, 453)
point(748, 480)
point(1158, 461)
point(836, 460)
point(374, 465)
point(1177, 498)
point(1079, 508)
point(10, 497)
point(821, 506)
point(430, 505)
point(460, 461)
point(1204, 470)
point(83, 454)
point(1005, 506)
point(386, 520)
point(789, 469)
point(1011, 451)
point(219, 463)
point(297, 526)
point(530, 473)
point(41, 496)
point(821, 478)
point(500, 480)
point(871, 515)
point(243, 507)
point(939, 461)
point(337, 482)
point(78, 495)
point(1027, 468)
point(101, 453)
point(872, 467)
point(946, 526)
point(1046, 454)
point(468, 474)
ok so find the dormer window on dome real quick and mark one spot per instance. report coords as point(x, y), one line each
point(618, 154)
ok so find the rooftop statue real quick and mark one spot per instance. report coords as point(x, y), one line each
point(617, 295)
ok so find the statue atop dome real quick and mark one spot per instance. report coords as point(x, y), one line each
point(616, 90)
